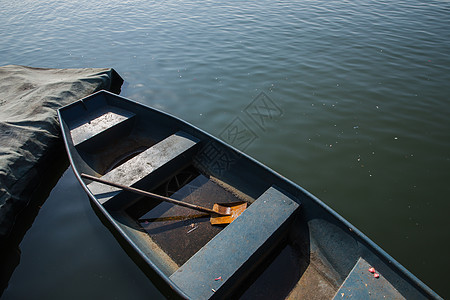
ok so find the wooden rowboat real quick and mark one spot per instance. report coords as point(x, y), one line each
point(286, 244)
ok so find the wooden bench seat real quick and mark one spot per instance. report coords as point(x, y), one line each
point(361, 284)
point(238, 248)
point(169, 154)
point(101, 123)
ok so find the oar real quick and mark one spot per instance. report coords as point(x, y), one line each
point(224, 213)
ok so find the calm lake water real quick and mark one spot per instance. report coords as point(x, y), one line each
point(364, 91)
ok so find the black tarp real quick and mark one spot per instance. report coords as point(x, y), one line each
point(30, 140)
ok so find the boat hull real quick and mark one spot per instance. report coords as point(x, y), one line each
point(286, 244)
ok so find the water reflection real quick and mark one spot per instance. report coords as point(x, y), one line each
point(10, 251)
point(382, 66)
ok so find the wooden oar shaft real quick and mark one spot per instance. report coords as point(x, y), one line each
point(155, 196)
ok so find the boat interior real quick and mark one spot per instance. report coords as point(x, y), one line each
point(275, 249)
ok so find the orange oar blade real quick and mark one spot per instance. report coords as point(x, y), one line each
point(235, 209)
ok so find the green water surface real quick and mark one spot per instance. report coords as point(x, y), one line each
point(362, 87)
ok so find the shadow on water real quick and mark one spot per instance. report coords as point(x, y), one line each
point(49, 170)
point(150, 273)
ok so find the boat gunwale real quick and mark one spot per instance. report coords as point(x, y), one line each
point(373, 247)
point(105, 212)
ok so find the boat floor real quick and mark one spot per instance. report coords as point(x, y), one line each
point(103, 159)
point(292, 274)
point(179, 231)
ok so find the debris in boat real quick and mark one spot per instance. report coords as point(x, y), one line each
point(372, 270)
point(376, 275)
point(190, 230)
point(218, 278)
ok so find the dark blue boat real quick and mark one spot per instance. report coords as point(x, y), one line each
point(286, 244)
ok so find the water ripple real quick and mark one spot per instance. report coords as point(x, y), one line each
point(363, 86)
